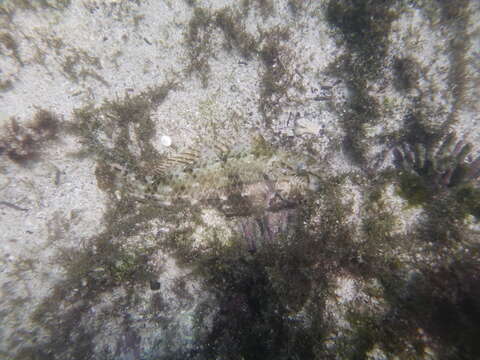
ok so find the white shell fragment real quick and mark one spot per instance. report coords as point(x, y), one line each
point(166, 140)
point(304, 126)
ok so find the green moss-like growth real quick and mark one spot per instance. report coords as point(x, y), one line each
point(262, 292)
point(365, 26)
point(296, 7)
point(456, 13)
point(420, 126)
point(271, 274)
point(198, 42)
point(11, 47)
point(105, 176)
point(45, 124)
point(198, 38)
point(125, 122)
point(266, 7)
point(235, 33)
point(261, 147)
point(129, 266)
point(44, 4)
point(6, 85)
point(22, 144)
point(414, 189)
point(365, 334)
point(362, 109)
point(469, 197)
point(277, 75)
point(441, 302)
point(379, 227)
point(78, 64)
point(257, 293)
point(407, 74)
point(118, 135)
point(99, 267)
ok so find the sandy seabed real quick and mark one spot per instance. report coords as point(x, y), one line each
point(217, 179)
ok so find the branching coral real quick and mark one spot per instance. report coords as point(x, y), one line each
point(440, 168)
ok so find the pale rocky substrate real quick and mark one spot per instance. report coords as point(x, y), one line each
point(64, 214)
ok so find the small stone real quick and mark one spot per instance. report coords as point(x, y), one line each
point(154, 285)
point(166, 140)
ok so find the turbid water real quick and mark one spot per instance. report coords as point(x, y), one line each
point(254, 179)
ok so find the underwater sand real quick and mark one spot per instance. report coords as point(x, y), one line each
point(216, 179)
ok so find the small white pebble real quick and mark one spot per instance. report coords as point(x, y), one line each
point(166, 140)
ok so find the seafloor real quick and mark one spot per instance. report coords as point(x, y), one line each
point(254, 179)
